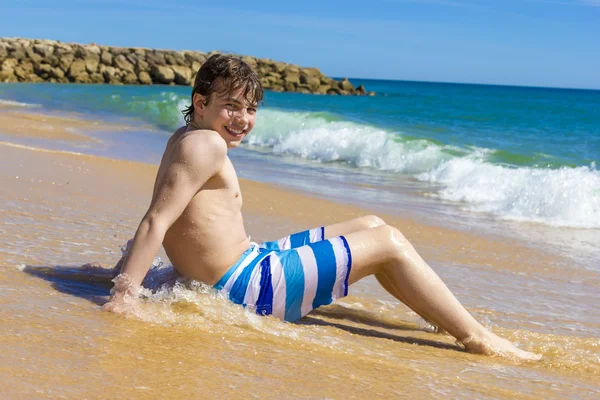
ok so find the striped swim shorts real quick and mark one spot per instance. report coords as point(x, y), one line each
point(289, 277)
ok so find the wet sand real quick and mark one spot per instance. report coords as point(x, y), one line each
point(61, 208)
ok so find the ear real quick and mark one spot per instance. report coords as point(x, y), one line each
point(198, 101)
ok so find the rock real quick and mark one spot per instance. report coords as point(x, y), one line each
point(144, 78)
point(312, 82)
point(132, 58)
point(141, 65)
point(115, 51)
point(77, 67)
point(8, 78)
point(16, 51)
point(60, 49)
point(96, 77)
point(65, 61)
point(291, 70)
point(91, 62)
point(140, 53)
point(53, 61)
point(162, 74)
point(8, 66)
point(323, 89)
point(175, 58)
point(249, 60)
point(265, 82)
point(194, 57)
point(196, 66)
point(155, 58)
point(106, 58)
point(33, 56)
point(122, 63)
point(183, 75)
point(304, 89)
point(312, 72)
point(93, 49)
point(292, 79)
point(346, 85)
point(110, 75)
point(44, 50)
point(3, 51)
point(33, 78)
point(56, 73)
point(82, 77)
point(278, 67)
point(130, 78)
point(43, 70)
point(7, 70)
point(263, 70)
point(23, 70)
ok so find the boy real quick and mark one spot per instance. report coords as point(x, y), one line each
point(195, 213)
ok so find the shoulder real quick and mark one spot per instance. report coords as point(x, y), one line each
point(203, 141)
point(201, 147)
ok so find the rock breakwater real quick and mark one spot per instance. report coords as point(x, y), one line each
point(36, 60)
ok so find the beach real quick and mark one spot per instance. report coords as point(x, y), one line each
point(62, 205)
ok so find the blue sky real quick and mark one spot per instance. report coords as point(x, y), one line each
point(520, 42)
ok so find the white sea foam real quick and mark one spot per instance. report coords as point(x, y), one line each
point(325, 139)
point(11, 103)
point(568, 197)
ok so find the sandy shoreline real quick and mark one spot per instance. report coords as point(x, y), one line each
point(62, 208)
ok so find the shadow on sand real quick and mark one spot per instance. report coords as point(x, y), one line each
point(88, 281)
point(335, 311)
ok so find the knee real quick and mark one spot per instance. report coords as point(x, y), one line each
point(396, 240)
point(371, 221)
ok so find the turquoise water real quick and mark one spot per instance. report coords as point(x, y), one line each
point(517, 153)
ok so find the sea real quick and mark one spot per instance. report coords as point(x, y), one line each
point(472, 156)
point(515, 163)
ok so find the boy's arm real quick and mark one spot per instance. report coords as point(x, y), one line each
point(195, 161)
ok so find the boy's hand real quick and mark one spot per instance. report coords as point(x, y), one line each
point(123, 296)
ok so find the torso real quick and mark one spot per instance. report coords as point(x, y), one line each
point(209, 236)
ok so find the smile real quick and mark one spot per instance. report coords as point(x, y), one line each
point(235, 131)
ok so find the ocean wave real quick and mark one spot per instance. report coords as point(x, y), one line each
point(565, 196)
point(11, 103)
point(323, 137)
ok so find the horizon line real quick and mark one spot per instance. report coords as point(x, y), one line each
point(470, 83)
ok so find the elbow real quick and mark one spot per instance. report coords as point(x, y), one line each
point(154, 227)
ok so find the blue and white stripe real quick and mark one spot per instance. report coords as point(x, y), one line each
point(296, 240)
point(289, 283)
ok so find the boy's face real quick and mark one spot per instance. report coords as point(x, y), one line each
point(226, 113)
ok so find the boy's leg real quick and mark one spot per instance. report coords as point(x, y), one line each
point(384, 250)
point(353, 225)
point(359, 224)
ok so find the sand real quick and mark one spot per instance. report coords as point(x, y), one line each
point(65, 208)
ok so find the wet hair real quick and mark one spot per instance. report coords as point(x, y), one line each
point(233, 73)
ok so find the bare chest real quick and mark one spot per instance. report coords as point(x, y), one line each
point(221, 193)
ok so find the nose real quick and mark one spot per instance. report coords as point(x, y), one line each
point(241, 115)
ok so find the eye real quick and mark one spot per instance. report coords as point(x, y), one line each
point(251, 110)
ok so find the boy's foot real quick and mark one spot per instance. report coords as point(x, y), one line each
point(492, 344)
